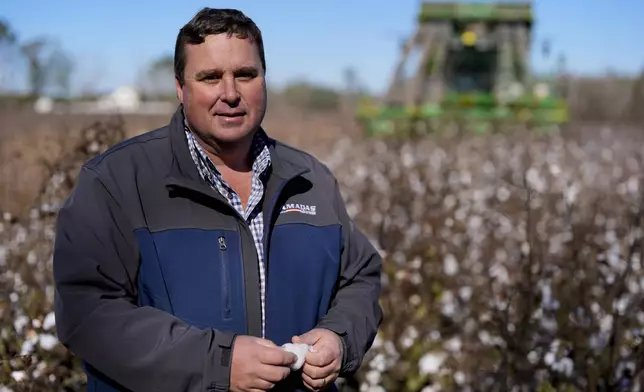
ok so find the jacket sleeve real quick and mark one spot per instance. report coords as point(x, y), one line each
point(355, 313)
point(95, 264)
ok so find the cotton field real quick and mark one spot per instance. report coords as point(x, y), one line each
point(511, 262)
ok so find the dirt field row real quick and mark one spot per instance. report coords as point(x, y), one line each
point(30, 141)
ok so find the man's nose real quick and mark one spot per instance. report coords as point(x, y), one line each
point(230, 94)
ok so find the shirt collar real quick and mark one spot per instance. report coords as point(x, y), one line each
point(261, 156)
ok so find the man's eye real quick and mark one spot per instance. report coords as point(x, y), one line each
point(210, 78)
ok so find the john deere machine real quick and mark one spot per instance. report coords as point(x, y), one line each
point(469, 65)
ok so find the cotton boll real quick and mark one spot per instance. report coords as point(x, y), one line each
point(300, 350)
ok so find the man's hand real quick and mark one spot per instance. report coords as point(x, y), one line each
point(324, 360)
point(258, 364)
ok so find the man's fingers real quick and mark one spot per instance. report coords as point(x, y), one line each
point(314, 384)
point(263, 385)
point(315, 372)
point(276, 356)
point(320, 358)
point(265, 342)
point(274, 374)
point(308, 386)
point(307, 338)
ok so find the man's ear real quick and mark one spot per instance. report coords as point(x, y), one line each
point(179, 88)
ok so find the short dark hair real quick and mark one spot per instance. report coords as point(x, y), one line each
point(210, 21)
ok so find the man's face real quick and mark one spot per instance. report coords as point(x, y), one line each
point(224, 93)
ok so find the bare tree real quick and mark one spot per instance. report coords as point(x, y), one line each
point(34, 54)
point(49, 66)
point(6, 32)
point(61, 67)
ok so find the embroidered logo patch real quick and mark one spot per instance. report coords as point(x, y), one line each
point(301, 208)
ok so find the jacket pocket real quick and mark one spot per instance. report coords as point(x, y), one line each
point(226, 305)
point(200, 272)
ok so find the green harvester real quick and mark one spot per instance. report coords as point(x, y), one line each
point(467, 64)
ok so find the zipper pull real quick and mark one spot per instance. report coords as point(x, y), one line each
point(222, 243)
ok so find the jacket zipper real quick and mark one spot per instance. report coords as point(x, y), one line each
point(225, 278)
point(210, 193)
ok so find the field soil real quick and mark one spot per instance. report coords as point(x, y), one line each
point(31, 142)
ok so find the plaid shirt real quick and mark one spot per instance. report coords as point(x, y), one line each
point(253, 213)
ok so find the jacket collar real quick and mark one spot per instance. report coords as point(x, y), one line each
point(184, 172)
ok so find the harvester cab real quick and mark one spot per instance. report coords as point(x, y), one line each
point(469, 64)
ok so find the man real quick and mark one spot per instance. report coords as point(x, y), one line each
point(186, 256)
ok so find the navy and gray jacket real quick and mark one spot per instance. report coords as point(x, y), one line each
point(156, 274)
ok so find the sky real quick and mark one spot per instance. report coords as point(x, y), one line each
point(112, 41)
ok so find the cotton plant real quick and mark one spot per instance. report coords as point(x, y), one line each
point(33, 358)
point(510, 260)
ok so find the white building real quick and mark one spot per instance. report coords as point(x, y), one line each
point(125, 99)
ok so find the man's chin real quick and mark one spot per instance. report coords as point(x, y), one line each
point(232, 134)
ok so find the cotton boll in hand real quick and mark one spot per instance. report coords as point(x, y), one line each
point(300, 350)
